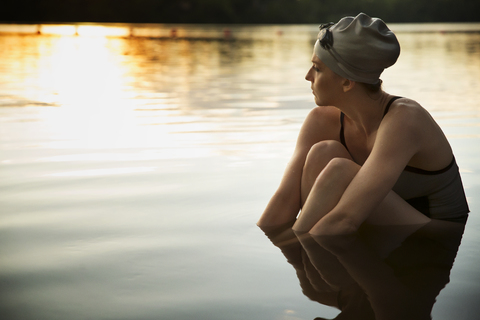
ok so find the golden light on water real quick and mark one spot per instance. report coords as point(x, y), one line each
point(101, 31)
point(81, 29)
point(109, 90)
point(85, 79)
point(115, 91)
point(65, 30)
point(100, 90)
point(145, 149)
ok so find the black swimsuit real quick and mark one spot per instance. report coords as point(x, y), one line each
point(437, 194)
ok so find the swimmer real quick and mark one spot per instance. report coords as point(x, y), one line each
point(364, 155)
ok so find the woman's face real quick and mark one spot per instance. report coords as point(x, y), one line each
point(326, 85)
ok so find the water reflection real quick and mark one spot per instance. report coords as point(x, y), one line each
point(113, 92)
point(383, 273)
point(111, 145)
point(195, 88)
point(439, 70)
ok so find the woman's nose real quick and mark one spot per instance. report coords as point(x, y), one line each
point(307, 76)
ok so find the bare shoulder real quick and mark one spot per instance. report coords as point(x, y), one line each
point(409, 110)
point(408, 115)
point(407, 123)
point(323, 122)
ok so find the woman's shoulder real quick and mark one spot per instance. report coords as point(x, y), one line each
point(321, 123)
point(324, 110)
point(402, 104)
point(407, 120)
point(324, 115)
point(409, 111)
point(326, 118)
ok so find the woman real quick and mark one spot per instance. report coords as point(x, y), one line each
point(364, 155)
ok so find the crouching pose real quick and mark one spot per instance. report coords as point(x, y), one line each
point(363, 155)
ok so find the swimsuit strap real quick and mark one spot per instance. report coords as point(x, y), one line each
point(389, 104)
point(407, 168)
point(342, 134)
point(413, 169)
point(342, 116)
point(427, 172)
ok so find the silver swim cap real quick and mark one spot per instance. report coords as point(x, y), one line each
point(358, 49)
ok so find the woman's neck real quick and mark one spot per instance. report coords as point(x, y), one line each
point(365, 110)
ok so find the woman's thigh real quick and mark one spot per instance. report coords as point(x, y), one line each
point(328, 172)
point(326, 192)
point(317, 159)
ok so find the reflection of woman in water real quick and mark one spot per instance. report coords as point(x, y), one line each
point(351, 274)
point(364, 155)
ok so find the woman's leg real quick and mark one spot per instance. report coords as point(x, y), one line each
point(326, 182)
point(322, 195)
point(326, 192)
point(317, 159)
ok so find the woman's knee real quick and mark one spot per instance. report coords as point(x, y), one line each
point(339, 168)
point(320, 155)
point(323, 152)
point(329, 147)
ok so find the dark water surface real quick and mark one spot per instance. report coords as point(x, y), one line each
point(134, 165)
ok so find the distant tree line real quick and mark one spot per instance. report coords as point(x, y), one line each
point(236, 11)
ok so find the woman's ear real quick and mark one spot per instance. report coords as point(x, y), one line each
point(348, 85)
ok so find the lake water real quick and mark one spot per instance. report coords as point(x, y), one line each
point(135, 161)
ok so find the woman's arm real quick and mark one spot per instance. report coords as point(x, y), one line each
point(402, 136)
point(322, 123)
